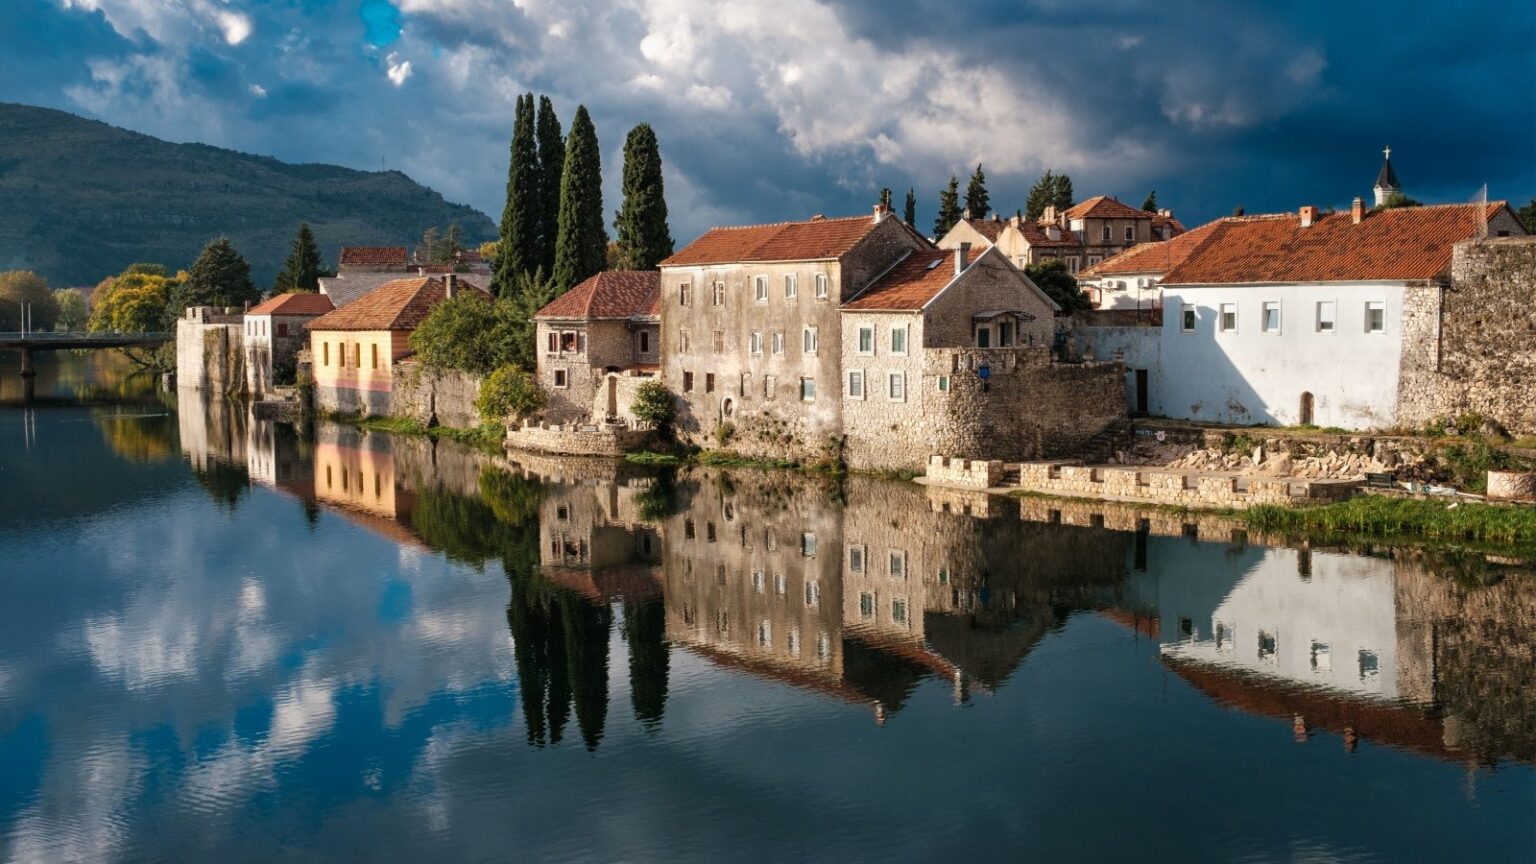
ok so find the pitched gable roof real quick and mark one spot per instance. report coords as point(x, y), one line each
point(293, 304)
point(911, 282)
point(988, 228)
point(373, 255)
point(401, 304)
point(1105, 207)
point(611, 294)
point(814, 239)
point(1037, 238)
point(1397, 244)
point(1155, 257)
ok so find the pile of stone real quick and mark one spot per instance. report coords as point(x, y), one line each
point(1346, 464)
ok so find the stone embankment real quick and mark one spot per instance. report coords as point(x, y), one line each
point(578, 439)
point(1329, 458)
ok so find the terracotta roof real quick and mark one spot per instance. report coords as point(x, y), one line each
point(1035, 235)
point(912, 282)
point(293, 304)
point(815, 239)
point(401, 304)
point(373, 255)
point(1155, 257)
point(988, 228)
point(608, 295)
point(1175, 225)
point(1105, 207)
point(1401, 243)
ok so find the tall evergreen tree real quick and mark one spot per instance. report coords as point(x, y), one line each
point(1062, 194)
point(582, 244)
point(301, 272)
point(1040, 196)
point(643, 237)
point(219, 277)
point(949, 208)
point(976, 199)
point(885, 197)
point(551, 147)
point(1150, 205)
point(909, 209)
point(518, 248)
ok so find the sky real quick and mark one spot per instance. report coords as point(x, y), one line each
point(782, 109)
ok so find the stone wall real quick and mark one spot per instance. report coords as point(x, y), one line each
point(1183, 488)
point(435, 397)
point(977, 473)
point(1471, 346)
point(578, 440)
point(210, 353)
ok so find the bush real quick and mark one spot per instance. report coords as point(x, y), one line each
point(509, 392)
point(653, 404)
point(724, 432)
point(468, 333)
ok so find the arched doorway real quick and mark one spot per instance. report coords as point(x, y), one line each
point(1305, 413)
point(727, 408)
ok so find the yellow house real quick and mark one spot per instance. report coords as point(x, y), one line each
point(354, 351)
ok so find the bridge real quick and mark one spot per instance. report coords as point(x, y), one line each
point(29, 342)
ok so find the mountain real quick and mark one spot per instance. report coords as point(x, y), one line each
point(80, 200)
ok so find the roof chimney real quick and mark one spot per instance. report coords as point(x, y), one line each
point(450, 284)
point(1165, 213)
point(1308, 215)
point(962, 252)
point(1050, 213)
point(881, 211)
point(1053, 232)
point(1357, 211)
point(966, 214)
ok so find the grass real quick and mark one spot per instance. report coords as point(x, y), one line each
point(722, 459)
point(648, 457)
point(488, 437)
point(1381, 516)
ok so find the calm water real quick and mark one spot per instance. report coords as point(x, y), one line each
point(228, 640)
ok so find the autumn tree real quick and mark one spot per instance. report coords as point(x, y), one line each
point(73, 311)
point(19, 287)
point(134, 301)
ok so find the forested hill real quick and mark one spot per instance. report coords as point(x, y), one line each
point(80, 200)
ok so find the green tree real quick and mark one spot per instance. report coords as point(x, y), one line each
point(519, 243)
point(24, 286)
point(466, 332)
point(509, 392)
point(1238, 210)
point(1150, 205)
point(653, 404)
point(73, 312)
point(531, 293)
point(551, 154)
point(1398, 199)
point(581, 247)
point(134, 301)
point(301, 272)
point(1059, 284)
point(1040, 196)
point(909, 208)
point(949, 208)
point(885, 197)
point(219, 277)
point(643, 237)
point(1061, 195)
point(1527, 215)
point(976, 198)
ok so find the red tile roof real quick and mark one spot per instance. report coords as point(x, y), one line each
point(401, 304)
point(815, 239)
point(1175, 225)
point(608, 295)
point(910, 284)
point(374, 255)
point(988, 228)
point(293, 304)
point(1105, 207)
point(1401, 243)
point(1035, 235)
point(1155, 257)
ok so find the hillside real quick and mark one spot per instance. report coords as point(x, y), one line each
point(80, 200)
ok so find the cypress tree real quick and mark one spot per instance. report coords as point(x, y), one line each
point(641, 223)
point(301, 272)
point(885, 197)
point(976, 199)
point(949, 208)
point(1150, 205)
point(581, 247)
point(219, 277)
point(1062, 194)
point(1040, 195)
point(909, 210)
point(551, 146)
point(519, 244)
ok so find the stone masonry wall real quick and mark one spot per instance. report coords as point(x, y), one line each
point(432, 397)
point(210, 351)
point(1484, 358)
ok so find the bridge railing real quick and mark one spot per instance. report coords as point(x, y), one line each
point(83, 335)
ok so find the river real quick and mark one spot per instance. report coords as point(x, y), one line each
point(229, 640)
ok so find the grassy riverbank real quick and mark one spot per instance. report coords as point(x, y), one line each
point(486, 437)
point(725, 459)
point(1381, 516)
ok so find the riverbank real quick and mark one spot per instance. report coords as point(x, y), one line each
point(486, 437)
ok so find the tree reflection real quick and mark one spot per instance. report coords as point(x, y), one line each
point(645, 631)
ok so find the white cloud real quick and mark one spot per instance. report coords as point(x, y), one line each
point(236, 27)
point(258, 91)
point(399, 70)
point(711, 98)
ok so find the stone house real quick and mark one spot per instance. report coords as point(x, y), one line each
point(1081, 236)
point(597, 343)
point(274, 335)
point(210, 350)
point(355, 350)
point(1021, 241)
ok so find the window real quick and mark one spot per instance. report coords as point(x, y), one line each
point(1073, 264)
point(1094, 259)
point(718, 341)
point(553, 346)
point(325, 353)
point(684, 342)
point(357, 355)
point(898, 565)
point(866, 605)
point(1375, 317)
point(778, 343)
point(823, 647)
point(898, 340)
point(562, 379)
point(1270, 323)
point(687, 382)
point(856, 384)
point(341, 355)
point(764, 634)
point(1228, 320)
point(682, 294)
point(375, 350)
point(1370, 664)
point(770, 386)
point(983, 337)
point(719, 293)
point(1005, 334)
point(897, 386)
point(759, 581)
point(808, 545)
point(812, 594)
point(821, 286)
point(855, 559)
point(899, 611)
point(1106, 231)
point(791, 286)
point(760, 288)
point(709, 382)
point(1187, 318)
point(757, 343)
point(943, 575)
point(1325, 316)
point(867, 340)
point(1130, 233)
point(943, 383)
point(688, 529)
point(792, 641)
point(282, 329)
point(1321, 660)
point(807, 389)
point(808, 340)
point(779, 585)
point(744, 387)
point(1269, 643)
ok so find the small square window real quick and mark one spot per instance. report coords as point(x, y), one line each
point(856, 384)
point(943, 383)
point(899, 611)
point(1375, 317)
point(1269, 643)
point(1325, 316)
point(1187, 318)
point(807, 389)
point(897, 386)
point(561, 378)
point(791, 286)
point(866, 340)
point(812, 594)
point(1130, 233)
point(821, 286)
point(1370, 665)
point(866, 605)
point(855, 559)
point(760, 288)
point(1228, 320)
point(1270, 323)
point(898, 565)
point(1322, 660)
point(1106, 231)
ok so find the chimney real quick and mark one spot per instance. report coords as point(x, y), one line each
point(1308, 215)
point(1050, 213)
point(450, 284)
point(881, 211)
point(962, 252)
point(1357, 211)
point(1053, 232)
point(1165, 213)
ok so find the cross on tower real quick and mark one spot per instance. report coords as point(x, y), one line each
point(1386, 152)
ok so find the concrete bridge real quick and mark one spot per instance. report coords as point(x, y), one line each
point(27, 343)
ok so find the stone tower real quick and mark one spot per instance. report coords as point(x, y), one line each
point(1386, 181)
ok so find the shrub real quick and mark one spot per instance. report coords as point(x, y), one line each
point(724, 432)
point(468, 333)
point(653, 404)
point(509, 392)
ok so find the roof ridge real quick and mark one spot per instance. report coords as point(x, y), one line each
point(784, 222)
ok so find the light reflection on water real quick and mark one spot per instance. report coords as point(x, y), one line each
point(233, 639)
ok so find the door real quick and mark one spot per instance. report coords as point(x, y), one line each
point(1306, 410)
point(613, 396)
point(1141, 391)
